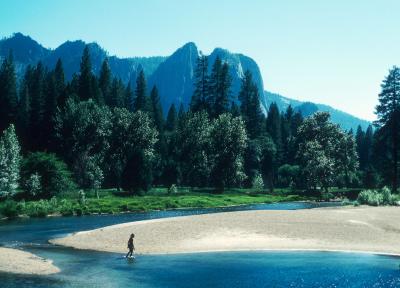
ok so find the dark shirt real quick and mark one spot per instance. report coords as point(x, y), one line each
point(130, 243)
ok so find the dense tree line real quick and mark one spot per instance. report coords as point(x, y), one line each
point(96, 131)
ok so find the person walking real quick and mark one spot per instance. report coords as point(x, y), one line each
point(131, 247)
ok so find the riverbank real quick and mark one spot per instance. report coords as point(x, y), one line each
point(109, 203)
point(21, 262)
point(372, 229)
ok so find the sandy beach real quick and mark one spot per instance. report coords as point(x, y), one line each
point(21, 262)
point(362, 229)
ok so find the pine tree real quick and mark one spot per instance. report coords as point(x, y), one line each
point(117, 94)
point(88, 86)
point(221, 104)
point(85, 76)
point(24, 107)
point(201, 85)
point(8, 93)
point(140, 93)
point(171, 122)
point(388, 113)
point(250, 106)
point(360, 136)
point(9, 162)
point(105, 81)
point(128, 97)
point(273, 124)
point(59, 78)
point(37, 95)
point(156, 110)
point(215, 79)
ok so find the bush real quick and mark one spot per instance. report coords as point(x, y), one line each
point(376, 198)
point(39, 208)
point(258, 183)
point(55, 176)
point(9, 208)
point(33, 185)
point(172, 189)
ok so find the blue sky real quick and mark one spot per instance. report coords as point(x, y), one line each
point(331, 52)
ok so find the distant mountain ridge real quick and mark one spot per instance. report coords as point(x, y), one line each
point(306, 108)
point(173, 75)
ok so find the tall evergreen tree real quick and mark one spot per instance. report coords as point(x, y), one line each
point(250, 106)
point(201, 85)
point(85, 76)
point(105, 81)
point(156, 110)
point(140, 102)
point(222, 95)
point(24, 107)
point(8, 93)
point(117, 94)
point(88, 87)
point(273, 124)
point(59, 78)
point(38, 97)
point(172, 121)
point(9, 162)
point(388, 113)
point(128, 97)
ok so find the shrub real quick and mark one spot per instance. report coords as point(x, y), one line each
point(376, 198)
point(9, 208)
point(33, 185)
point(172, 189)
point(258, 183)
point(55, 176)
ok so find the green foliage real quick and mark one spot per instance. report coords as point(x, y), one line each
point(325, 152)
point(83, 130)
point(258, 183)
point(8, 93)
point(172, 189)
point(33, 185)
point(9, 162)
point(45, 175)
point(228, 139)
point(141, 100)
point(377, 198)
point(250, 106)
point(9, 208)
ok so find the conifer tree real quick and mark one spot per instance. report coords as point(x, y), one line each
point(201, 85)
point(128, 97)
point(117, 94)
point(85, 76)
point(37, 96)
point(221, 104)
point(88, 86)
point(156, 110)
point(171, 122)
point(9, 162)
point(388, 113)
point(105, 81)
point(250, 106)
point(140, 102)
point(8, 93)
point(24, 106)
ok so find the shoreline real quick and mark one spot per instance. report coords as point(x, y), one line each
point(24, 216)
point(22, 262)
point(373, 230)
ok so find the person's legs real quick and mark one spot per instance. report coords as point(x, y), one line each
point(129, 253)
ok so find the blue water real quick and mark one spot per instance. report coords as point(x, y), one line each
point(225, 269)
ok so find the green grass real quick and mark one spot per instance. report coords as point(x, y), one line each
point(111, 201)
